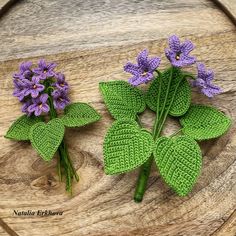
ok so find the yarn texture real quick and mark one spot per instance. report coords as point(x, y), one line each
point(46, 138)
point(79, 114)
point(204, 122)
point(182, 99)
point(20, 129)
point(126, 146)
point(179, 162)
point(121, 99)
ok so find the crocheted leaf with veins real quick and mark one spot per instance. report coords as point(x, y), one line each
point(46, 138)
point(203, 122)
point(126, 147)
point(20, 129)
point(182, 98)
point(79, 114)
point(179, 162)
point(122, 100)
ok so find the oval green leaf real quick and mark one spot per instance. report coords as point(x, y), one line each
point(179, 162)
point(203, 122)
point(121, 99)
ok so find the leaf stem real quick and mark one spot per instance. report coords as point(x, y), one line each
point(146, 167)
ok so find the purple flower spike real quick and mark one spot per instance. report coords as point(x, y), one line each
point(60, 99)
point(45, 70)
point(178, 54)
point(61, 84)
point(39, 105)
point(34, 87)
point(143, 71)
point(204, 81)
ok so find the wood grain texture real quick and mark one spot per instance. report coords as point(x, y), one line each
point(93, 52)
point(229, 7)
point(5, 5)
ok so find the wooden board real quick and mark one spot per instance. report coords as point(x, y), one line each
point(93, 52)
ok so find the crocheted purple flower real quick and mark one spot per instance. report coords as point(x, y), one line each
point(143, 71)
point(25, 70)
point(204, 81)
point(45, 70)
point(25, 107)
point(20, 87)
point(61, 83)
point(39, 105)
point(33, 87)
point(178, 54)
point(60, 99)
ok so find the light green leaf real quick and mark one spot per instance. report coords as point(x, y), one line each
point(179, 162)
point(121, 99)
point(79, 114)
point(182, 98)
point(203, 122)
point(46, 138)
point(126, 147)
point(19, 130)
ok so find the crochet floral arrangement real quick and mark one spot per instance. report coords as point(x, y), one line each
point(178, 158)
point(43, 92)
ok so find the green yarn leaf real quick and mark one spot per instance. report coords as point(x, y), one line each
point(182, 98)
point(79, 114)
point(121, 99)
point(179, 162)
point(126, 147)
point(203, 122)
point(46, 138)
point(20, 129)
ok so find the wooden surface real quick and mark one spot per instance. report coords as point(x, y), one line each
point(91, 41)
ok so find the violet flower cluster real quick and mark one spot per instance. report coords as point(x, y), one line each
point(35, 86)
point(179, 56)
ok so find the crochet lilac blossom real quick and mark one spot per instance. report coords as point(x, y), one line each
point(33, 87)
point(39, 105)
point(204, 81)
point(61, 83)
point(45, 70)
point(60, 99)
point(178, 54)
point(143, 71)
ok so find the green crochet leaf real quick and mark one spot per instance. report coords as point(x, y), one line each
point(79, 114)
point(182, 99)
point(46, 138)
point(126, 147)
point(121, 99)
point(179, 162)
point(203, 122)
point(19, 130)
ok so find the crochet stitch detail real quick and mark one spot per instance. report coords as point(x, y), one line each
point(179, 162)
point(46, 138)
point(182, 99)
point(204, 122)
point(20, 129)
point(126, 147)
point(79, 114)
point(121, 99)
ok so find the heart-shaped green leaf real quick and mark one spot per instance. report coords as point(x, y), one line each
point(203, 122)
point(46, 138)
point(79, 114)
point(179, 162)
point(126, 147)
point(19, 130)
point(121, 99)
point(182, 98)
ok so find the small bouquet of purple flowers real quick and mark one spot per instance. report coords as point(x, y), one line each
point(43, 92)
point(178, 157)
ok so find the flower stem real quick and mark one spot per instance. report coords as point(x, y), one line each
point(146, 167)
point(63, 159)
